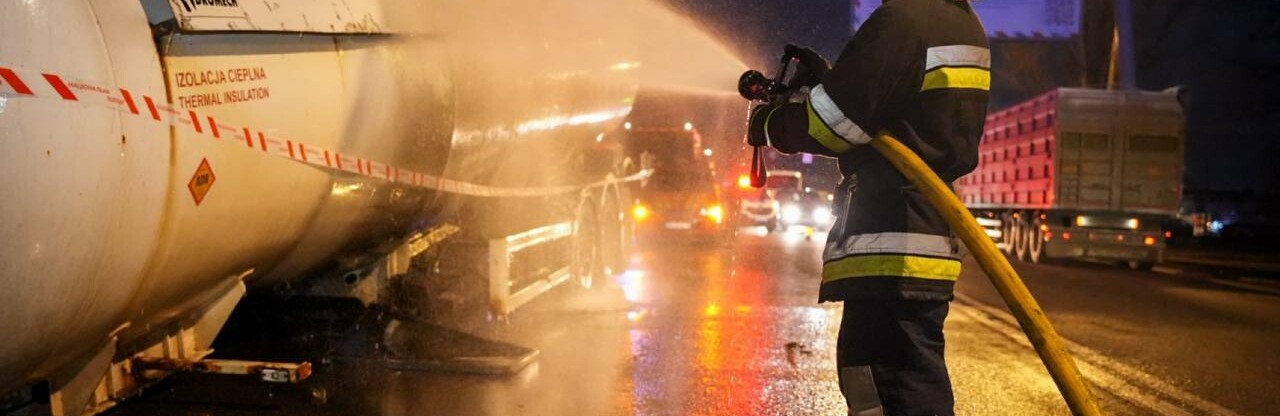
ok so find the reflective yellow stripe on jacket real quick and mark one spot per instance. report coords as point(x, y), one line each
point(819, 131)
point(891, 265)
point(830, 126)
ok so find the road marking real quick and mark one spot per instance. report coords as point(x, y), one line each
point(1225, 263)
point(1244, 284)
point(1123, 381)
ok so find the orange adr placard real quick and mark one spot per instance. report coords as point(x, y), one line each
point(201, 181)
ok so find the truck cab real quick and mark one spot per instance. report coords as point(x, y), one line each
point(682, 193)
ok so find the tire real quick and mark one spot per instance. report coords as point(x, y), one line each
point(1008, 236)
point(1035, 246)
point(1021, 233)
point(614, 238)
point(586, 244)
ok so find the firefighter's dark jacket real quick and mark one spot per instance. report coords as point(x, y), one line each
point(919, 69)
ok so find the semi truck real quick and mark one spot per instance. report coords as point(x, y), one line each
point(1080, 174)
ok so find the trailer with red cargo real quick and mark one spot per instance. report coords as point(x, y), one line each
point(1080, 174)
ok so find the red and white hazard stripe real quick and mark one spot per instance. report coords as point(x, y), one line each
point(22, 84)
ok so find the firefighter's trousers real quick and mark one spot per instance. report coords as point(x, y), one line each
point(893, 351)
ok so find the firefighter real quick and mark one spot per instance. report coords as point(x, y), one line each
point(919, 70)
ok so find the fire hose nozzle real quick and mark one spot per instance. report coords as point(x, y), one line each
point(754, 85)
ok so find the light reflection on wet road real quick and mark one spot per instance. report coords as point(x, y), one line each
point(696, 326)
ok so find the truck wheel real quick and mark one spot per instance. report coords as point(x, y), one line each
point(1035, 247)
point(586, 244)
point(1008, 236)
point(1020, 242)
point(613, 237)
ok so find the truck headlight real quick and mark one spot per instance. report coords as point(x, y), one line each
point(791, 213)
point(821, 215)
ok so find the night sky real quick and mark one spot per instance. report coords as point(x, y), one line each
point(1225, 53)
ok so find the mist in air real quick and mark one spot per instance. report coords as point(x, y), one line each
point(567, 38)
point(536, 82)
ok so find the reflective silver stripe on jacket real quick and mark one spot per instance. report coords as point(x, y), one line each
point(841, 125)
point(957, 55)
point(891, 242)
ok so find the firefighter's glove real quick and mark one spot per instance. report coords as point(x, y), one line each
point(811, 67)
point(756, 135)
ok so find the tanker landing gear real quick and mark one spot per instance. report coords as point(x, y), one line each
point(126, 364)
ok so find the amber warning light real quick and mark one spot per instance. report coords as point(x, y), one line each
point(715, 213)
point(640, 212)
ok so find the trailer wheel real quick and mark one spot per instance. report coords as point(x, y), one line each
point(1021, 233)
point(614, 237)
point(1008, 235)
point(1035, 245)
point(586, 244)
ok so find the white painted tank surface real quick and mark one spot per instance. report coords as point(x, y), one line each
point(116, 225)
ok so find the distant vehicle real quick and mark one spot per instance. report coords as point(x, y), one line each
point(797, 204)
point(755, 207)
point(783, 202)
point(1080, 173)
point(682, 193)
point(805, 208)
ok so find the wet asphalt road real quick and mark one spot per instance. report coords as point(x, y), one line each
point(730, 327)
point(1168, 341)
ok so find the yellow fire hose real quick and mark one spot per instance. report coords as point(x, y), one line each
point(1032, 319)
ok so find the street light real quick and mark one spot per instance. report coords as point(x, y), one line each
point(688, 126)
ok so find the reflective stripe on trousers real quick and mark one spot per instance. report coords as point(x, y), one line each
point(892, 265)
point(896, 254)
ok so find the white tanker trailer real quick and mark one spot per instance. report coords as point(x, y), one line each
point(161, 157)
